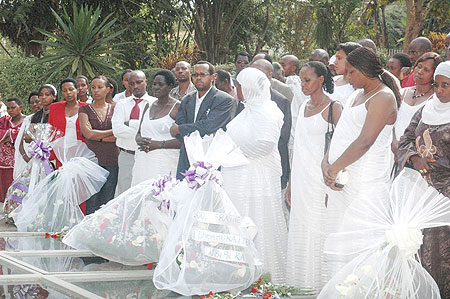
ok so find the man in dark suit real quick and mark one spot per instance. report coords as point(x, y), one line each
point(206, 110)
point(285, 107)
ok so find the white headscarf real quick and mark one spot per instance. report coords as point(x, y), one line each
point(255, 86)
point(435, 112)
point(256, 129)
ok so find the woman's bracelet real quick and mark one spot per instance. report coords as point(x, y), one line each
point(163, 143)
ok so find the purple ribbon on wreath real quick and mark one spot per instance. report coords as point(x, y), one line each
point(159, 186)
point(41, 151)
point(200, 172)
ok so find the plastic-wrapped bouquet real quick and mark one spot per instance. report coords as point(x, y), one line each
point(37, 168)
point(209, 245)
point(386, 263)
point(54, 203)
point(129, 229)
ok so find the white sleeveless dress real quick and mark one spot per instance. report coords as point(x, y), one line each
point(405, 114)
point(157, 162)
point(341, 93)
point(368, 178)
point(306, 263)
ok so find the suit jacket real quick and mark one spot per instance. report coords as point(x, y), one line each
point(282, 88)
point(285, 107)
point(214, 113)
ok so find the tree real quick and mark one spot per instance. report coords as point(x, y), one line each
point(332, 19)
point(18, 20)
point(212, 23)
point(83, 45)
point(416, 12)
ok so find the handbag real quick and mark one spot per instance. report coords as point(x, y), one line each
point(330, 129)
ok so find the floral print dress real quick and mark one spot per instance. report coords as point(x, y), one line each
point(432, 142)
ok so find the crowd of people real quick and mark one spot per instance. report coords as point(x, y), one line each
point(320, 138)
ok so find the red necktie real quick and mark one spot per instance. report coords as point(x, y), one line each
point(135, 111)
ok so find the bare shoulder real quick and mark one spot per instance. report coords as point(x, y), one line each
point(385, 97)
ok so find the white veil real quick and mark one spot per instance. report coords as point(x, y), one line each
point(256, 129)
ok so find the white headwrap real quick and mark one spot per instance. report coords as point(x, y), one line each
point(52, 87)
point(436, 112)
point(255, 86)
point(332, 60)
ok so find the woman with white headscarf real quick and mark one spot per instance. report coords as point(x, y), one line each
point(255, 188)
point(425, 147)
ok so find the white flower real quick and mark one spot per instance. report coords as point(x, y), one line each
point(302, 42)
point(201, 171)
point(368, 270)
point(343, 290)
point(111, 216)
point(193, 264)
point(138, 241)
point(352, 278)
point(241, 271)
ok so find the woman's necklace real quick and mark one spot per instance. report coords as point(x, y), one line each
point(369, 93)
point(415, 96)
point(311, 107)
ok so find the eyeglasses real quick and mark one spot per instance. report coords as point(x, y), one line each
point(242, 62)
point(202, 75)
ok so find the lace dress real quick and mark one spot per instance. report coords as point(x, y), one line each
point(157, 162)
point(306, 263)
point(368, 178)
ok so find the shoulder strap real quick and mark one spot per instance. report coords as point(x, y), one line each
point(330, 117)
point(372, 96)
point(172, 108)
point(143, 115)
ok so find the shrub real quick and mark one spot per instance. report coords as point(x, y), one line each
point(20, 75)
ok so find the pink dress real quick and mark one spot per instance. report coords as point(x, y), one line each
point(7, 129)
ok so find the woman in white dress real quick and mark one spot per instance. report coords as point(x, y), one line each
point(306, 264)
point(342, 88)
point(158, 150)
point(415, 97)
point(361, 143)
point(19, 162)
point(255, 188)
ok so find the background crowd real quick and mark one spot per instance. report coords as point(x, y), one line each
point(325, 135)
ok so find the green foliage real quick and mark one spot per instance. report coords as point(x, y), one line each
point(84, 45)
point(332, 19)
point(396, 23)
point(20, 75)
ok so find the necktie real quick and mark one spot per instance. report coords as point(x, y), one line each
point(135, 111)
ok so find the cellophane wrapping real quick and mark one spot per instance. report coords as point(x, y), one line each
point(37, 168)
point(53, 206)
point(209, 246)
point(129, 229)
point(385, 241)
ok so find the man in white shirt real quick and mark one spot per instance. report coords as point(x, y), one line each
point(125, 124)
point(291, 65)
point(127, 92)
point(205, 111)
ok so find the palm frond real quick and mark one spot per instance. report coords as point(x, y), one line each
point(85, 43)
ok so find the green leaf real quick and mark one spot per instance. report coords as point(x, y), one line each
point(84, 44)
